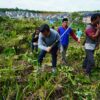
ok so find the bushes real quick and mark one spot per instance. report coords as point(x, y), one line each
point(20, 77)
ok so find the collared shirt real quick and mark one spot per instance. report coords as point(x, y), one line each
point(44, 42)
point(65, 38)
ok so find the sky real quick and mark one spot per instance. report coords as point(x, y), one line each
point(52, 5)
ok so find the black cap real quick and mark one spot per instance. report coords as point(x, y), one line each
point(95, 16)
point(65, 19)
point(44, 27)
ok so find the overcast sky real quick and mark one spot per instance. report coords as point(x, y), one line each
point(52, 5)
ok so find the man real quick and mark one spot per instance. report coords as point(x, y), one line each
point(34, 41)
point(46, 39)
point(79, 33)
point(98, 41)
point(92, 33)
point(65, 39)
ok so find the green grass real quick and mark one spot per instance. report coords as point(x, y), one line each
point(19, 75)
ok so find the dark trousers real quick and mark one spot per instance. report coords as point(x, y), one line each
point(63, 53)
point(34, 47)
point(53, 54)
point(89, 62)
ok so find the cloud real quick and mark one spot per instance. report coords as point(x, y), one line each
point(52, 5)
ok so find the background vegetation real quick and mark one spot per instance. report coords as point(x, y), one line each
point(20, 78)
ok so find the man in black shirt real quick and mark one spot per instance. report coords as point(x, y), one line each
point(34, 41)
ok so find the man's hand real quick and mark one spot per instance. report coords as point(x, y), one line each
point(48, 49)
point(78, 40)
point(36, 36)
point(98, 27)
point(35, 43)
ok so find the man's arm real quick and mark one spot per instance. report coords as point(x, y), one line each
point(41, 44)
point(32, 38)
point(94, 36)
point(73, 36)
point(58, 38)
point(58, 30)
point(91, 33)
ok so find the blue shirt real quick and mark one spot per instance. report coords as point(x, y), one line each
point(44, 42)
point(79, 33)
point(65, 38)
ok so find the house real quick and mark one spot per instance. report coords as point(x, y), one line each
point(87, 18)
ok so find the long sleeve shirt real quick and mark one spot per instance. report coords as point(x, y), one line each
point(65, 38)
point(35, 38)
point(44, 42)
